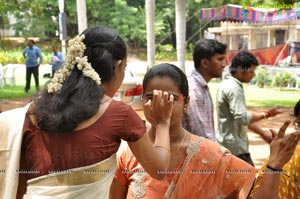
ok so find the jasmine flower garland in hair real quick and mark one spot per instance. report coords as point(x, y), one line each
point(74, 56)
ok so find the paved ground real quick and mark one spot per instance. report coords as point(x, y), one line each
point(258, 148)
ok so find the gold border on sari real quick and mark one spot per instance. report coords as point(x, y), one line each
point(77, 176)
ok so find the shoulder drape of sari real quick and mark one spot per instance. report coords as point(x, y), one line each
point(11, 126)
point(89, 182)
point(212, 172)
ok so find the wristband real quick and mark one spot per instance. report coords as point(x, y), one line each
point(265, 115)
point(273, 169)
point(268, 114)
point(277, 170)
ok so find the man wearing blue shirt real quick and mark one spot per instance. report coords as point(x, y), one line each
point(56, 60)
point(31, 53)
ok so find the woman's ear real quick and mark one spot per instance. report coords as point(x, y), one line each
point(118, 65)
point(186, 104)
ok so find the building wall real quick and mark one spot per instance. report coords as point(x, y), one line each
point(258, 35)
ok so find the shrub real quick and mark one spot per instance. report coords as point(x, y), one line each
point(165, 47)
point(6, 44)
point(262, 77)
point(282, 79)
point(16, 57)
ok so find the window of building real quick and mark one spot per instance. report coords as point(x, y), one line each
point(279, 36)
point(261, 40)
point(243, 42)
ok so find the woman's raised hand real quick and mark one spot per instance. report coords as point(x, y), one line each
point(282, 147)
point(159, 110)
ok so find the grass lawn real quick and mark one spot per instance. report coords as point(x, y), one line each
point(255, 97)
point(17, 92)
point(263, 97)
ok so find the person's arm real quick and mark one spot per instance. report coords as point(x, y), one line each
point(40, 56)
point(60, 57)
point(268, 136)
point(256, 116)
point(237, 104)
point(117, 190)
point(155, 157)
point(281, 150)
point(24, 53)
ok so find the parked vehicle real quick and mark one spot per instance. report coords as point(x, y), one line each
point(130, 91)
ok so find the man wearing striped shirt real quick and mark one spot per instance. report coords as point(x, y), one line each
point(209, 56)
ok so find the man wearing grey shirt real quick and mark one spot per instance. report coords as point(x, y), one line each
point(233, 118)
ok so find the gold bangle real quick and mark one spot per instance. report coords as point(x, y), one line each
point(162, 146)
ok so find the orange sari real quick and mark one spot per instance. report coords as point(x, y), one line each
point(207, 171)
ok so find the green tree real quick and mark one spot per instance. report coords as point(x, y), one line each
point(33, 18)
point(39, 18)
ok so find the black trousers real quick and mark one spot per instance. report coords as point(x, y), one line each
point(35, 71)
point(246, 157)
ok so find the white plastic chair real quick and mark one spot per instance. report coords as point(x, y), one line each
point(2, 78)
point(9, 75)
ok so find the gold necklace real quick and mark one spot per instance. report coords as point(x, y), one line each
point(185, 132)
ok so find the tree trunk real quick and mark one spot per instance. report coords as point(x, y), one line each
point(150, 23)
point(81, 15)
point(180, 32)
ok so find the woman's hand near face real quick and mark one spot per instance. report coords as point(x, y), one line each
point(281, 150)
point(159, 110)
point(283, 147)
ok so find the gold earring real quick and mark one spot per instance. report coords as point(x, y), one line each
point(184, 109)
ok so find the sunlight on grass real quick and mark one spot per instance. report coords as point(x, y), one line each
point(263, 97)
point(15, 92)
point(255, 97)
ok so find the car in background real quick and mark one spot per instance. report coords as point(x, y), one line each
point(130, 91)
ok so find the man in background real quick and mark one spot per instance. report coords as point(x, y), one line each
point(233, 118)
point(56, 60)
point(209, 56)
point(31, 54)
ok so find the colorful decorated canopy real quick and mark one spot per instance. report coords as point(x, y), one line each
point(249, 14)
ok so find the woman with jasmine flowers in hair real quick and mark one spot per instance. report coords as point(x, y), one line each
point(63, 144)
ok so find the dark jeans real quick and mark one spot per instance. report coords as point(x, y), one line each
point(35, 72)
point(53, 72)
point(246, 157)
